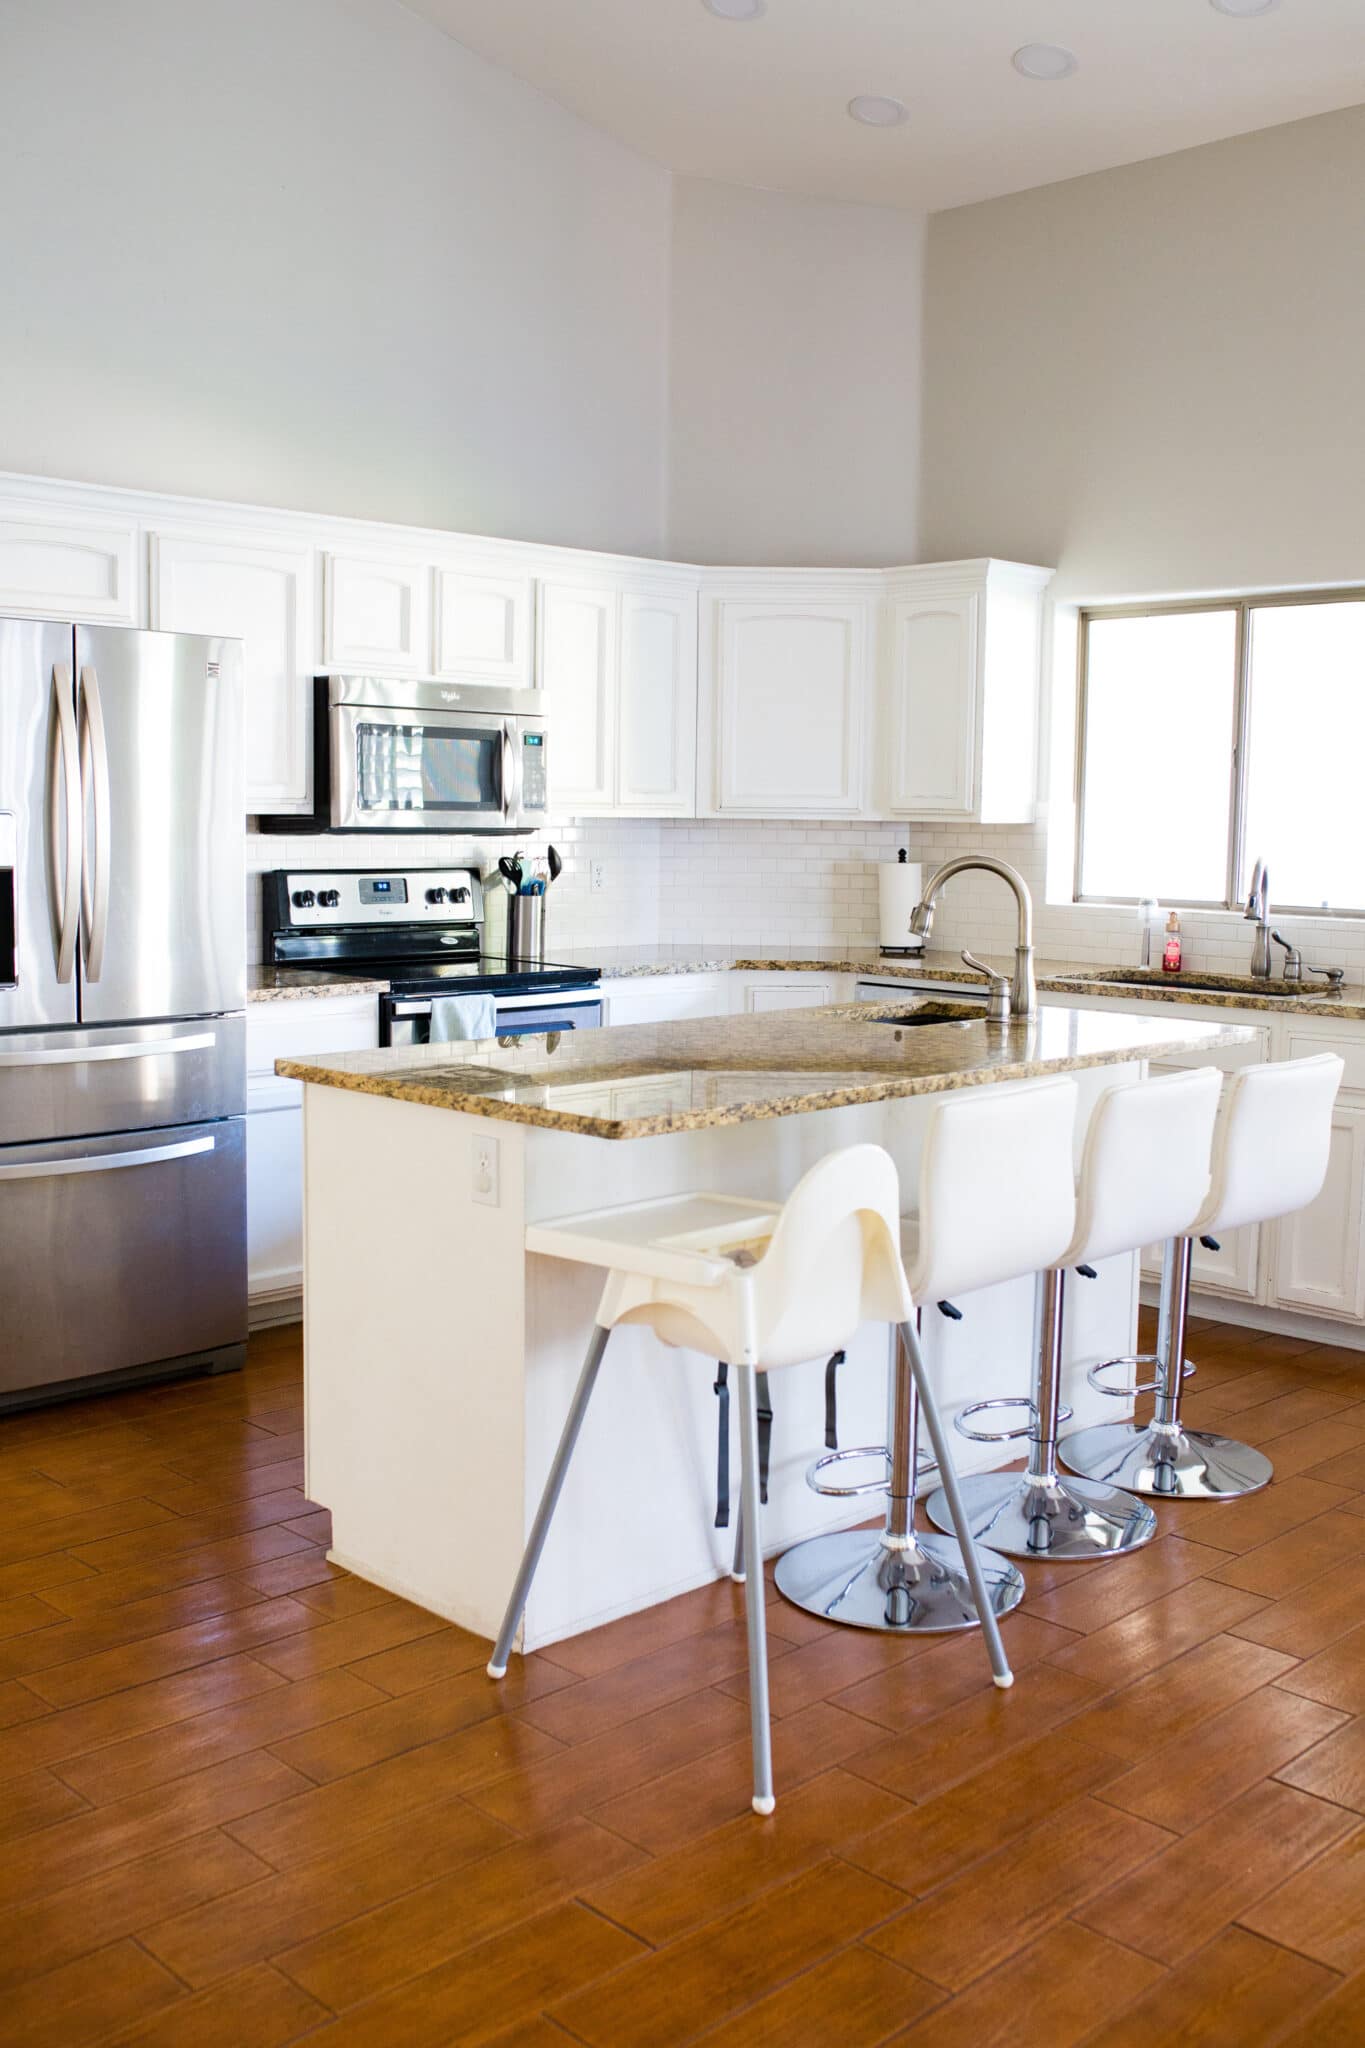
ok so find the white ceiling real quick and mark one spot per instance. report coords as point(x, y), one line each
point(763, 102)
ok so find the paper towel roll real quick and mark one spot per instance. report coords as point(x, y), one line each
point(898, 886)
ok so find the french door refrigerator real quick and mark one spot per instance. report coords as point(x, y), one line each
point(122, 1008)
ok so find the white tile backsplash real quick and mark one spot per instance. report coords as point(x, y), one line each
point(720, 882)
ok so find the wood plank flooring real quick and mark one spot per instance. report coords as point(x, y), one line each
point(246, 1800)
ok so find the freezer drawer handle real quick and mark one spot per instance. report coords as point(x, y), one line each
point(64, 791)
point(105, 1162)
point(95, 780)
point(139, 1049)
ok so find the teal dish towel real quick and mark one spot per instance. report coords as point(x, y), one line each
point(455, 1018)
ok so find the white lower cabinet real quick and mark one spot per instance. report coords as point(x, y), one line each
point(1318, 1263)
point(274, 1210)
point(274, 1135)
point(790, 992)
point(666, 998)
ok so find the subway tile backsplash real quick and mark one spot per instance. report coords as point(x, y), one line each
point(755, 883)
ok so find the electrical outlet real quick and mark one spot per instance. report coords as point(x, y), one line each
point(485, 1187)
point(597, 876)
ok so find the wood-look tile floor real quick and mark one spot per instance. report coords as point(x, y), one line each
point(247, 1800)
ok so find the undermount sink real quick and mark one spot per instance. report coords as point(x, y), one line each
point(933, 1013)
point(1202, 984)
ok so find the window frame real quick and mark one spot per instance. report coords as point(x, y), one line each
point(1242, 606)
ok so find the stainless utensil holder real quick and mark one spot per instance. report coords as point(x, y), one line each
point(526, 931)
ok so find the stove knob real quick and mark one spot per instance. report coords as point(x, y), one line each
point(459, 895)
point(304, 899)
point(436, 895)
point(329, 898)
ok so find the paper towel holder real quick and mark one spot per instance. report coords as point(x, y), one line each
point(899, 883)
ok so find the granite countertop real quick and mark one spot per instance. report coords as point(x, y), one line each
point(733, 1070)
point(299, 984)
point(1055, 977)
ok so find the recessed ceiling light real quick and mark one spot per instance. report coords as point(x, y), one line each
point(1043, 60)
point(876, 112)
point(1244, 7)
point(736, 10)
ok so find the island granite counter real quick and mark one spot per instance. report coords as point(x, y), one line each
point(440, 1356)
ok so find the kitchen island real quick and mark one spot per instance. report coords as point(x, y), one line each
point(441, 1352)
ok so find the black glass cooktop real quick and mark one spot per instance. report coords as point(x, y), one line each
point(488, 971)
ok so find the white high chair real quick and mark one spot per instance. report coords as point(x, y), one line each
point(1144, 1173)
point(761, 1285)
point(997, 1200)
point(1270, 1154)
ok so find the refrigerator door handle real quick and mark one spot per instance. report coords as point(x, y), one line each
point(105, 1162)
point(95, 852)
point(64, 796)
point(139, 1049)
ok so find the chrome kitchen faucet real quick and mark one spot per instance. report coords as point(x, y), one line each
point(1023, 988)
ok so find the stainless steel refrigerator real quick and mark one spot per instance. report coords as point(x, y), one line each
point(122, 1008)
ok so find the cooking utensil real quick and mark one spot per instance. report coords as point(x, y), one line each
point(509, 867)
point(556, 864)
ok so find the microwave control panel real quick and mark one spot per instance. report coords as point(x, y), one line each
point(533, 797)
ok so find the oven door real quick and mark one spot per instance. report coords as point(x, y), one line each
point(411, 770)
point(406, 1020)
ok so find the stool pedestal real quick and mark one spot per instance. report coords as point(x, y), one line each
point(1162, 1458)
point(894, 1579)
point(1039, 1512)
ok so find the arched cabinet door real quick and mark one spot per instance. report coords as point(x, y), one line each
point(790, 687)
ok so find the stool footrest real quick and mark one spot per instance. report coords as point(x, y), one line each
point(1001, 1436)
point(1130, 1388)
point(864, 1451)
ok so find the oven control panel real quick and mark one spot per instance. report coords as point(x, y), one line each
point(307, 899)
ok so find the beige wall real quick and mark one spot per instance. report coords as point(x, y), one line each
point(1155, 377)
point(314, 253)
point(794, 378)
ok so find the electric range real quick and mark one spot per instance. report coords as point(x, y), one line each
point(421, 930)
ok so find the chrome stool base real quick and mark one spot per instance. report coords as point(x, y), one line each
point(855, 1576)
point(1166, 1463)
point(1069, 1521)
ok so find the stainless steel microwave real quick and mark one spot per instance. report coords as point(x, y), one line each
point(391, 755)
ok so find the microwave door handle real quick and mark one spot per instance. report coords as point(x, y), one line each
point(64, 820)
point(511, 795)
point(94, 756)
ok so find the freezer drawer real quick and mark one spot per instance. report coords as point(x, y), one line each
point(120, 1252)
point(127, 1077)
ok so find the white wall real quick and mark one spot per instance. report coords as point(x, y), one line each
point(794, 379)
point(1151, 377)
point(314, 253)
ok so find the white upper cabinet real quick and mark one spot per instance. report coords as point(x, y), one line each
point(577, 627)
point(958, 711)
point(482, 627)
point(656, 749)
point(69, 568)
point(376, 617)
point(788, 674)
point(262, 595)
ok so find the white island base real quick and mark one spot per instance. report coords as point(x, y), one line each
point(440, 1357)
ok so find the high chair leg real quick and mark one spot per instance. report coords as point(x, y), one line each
point(763, 1801)
point(549, 1501)
point(943, 1457)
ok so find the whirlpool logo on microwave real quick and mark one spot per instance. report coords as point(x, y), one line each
point(450, 696)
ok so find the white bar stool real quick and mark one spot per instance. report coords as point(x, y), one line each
point(1270, 1153)
point(1144, 1173)
point(997, 1199)
point(761, 1286)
